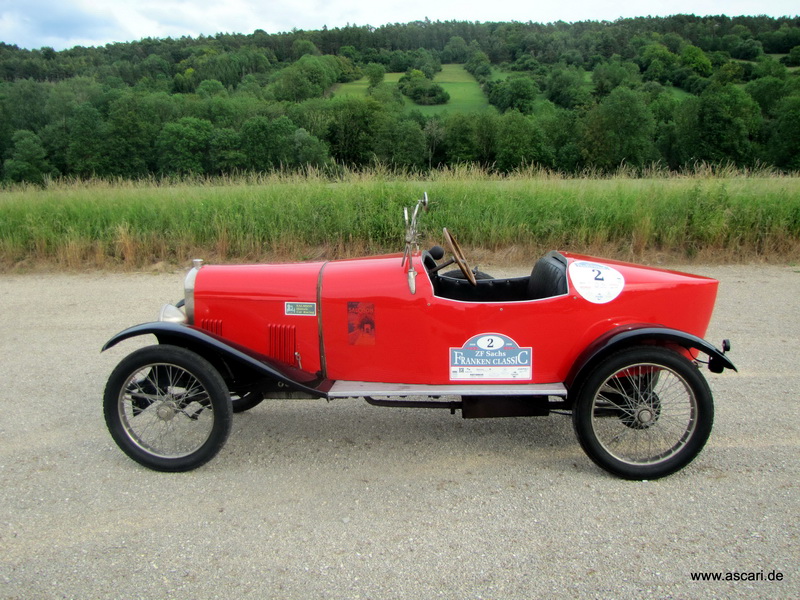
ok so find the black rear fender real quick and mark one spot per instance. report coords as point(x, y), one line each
point(628, 336)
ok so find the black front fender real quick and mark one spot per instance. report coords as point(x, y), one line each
point(206, 343)
point(644, 334)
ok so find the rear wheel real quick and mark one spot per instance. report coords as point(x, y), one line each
point(246, 401)
point(167, 408)
point(643, 413)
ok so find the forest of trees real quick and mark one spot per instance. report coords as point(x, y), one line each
point(592, 95)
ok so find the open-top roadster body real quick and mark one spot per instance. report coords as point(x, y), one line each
point(616, 344)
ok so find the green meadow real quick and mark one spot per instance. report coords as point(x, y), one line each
point(466, 94)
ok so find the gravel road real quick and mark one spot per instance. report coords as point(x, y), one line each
point(344, 500)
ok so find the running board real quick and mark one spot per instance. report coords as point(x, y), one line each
point(360, 389)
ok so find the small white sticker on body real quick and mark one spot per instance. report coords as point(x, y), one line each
point(303, 309)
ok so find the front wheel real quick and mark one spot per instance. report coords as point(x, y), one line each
point(167, 408)
point(643, 413)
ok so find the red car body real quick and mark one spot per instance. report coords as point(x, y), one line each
point(410, 336)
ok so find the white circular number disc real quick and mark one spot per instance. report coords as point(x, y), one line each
point(595, 282)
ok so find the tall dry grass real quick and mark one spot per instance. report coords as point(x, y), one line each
point(709, 212)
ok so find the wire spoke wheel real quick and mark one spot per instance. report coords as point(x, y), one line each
point(167, 408)
point(644, 413)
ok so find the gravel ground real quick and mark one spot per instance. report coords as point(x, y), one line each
point(345, 500)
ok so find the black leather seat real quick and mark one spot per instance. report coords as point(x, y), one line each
point(549, 277)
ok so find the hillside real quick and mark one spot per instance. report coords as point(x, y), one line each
point(676, 91)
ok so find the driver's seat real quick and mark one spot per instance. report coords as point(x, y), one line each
point(549, 277)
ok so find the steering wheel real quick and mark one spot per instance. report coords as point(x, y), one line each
point(458, 256)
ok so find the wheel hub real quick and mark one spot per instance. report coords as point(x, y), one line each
point(166, 411)
point(644, 416)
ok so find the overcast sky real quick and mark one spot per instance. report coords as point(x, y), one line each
point(66, 23)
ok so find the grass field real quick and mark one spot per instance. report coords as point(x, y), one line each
point(465, 93)
point(96, 224)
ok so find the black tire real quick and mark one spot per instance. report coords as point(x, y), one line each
point(246, 401)
point(643, 413)
point(167, 408)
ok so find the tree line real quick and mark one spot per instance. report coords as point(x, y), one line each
point(673, 90)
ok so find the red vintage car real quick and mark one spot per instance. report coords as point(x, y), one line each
point(617, 345)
